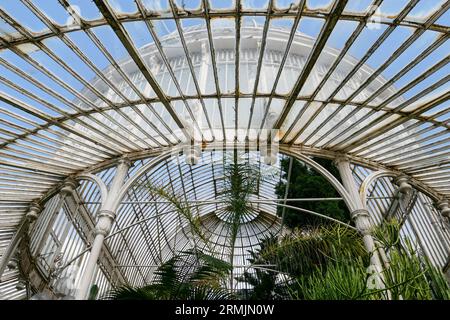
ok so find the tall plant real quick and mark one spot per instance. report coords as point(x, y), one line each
point(241, 181)
point(410, 274)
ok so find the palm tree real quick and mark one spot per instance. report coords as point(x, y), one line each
point(241, 181)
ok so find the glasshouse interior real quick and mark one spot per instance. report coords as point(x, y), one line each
point(224, 149)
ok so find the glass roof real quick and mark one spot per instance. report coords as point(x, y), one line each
point(116, 83)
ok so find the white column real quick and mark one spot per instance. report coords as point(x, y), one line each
point(30, 217)
point(359, 213)
point(106, 216)
point(403, 186)
point(444, 208)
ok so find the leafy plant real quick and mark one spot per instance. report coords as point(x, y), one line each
point(265, 283)
point(241, 181)
point(342, 279)
point(296, 260)
point(330, 262)
point(190, 275)
point(410, 274)
point(93, 292)
point(440, 289)
point(300, 252)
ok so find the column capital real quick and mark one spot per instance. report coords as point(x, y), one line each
point(124, 161)
point(355, 214)
point(402, 182)
point(443, 206)
point(107, 213)
point(33, 211)
point(340, 158)
point(68, 187)
point(362, 221)
point(105, 220)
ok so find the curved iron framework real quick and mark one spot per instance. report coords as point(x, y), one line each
point(71, 103)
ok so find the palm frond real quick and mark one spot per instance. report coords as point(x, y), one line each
point(132, 293)
point(188, 275)
point(185, 212)
point(209, 293)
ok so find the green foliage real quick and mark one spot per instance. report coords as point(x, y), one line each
point(133, 293)
point(307, 183)
point(300, 252)
point(340, 280)
point(330, 263)
point(93, 292)
point(388, 235)
point(440, 289)
point(190, 275)
point(300, 264)
point(410, 274)
point(241, 180)
point(406, 276)
point(264, 282)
